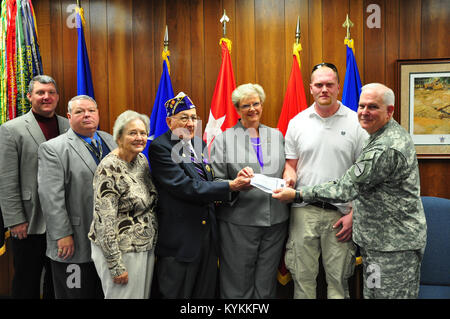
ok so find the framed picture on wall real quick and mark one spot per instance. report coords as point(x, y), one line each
point(423, 104)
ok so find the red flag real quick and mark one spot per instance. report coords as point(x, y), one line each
point(222, 115)
point(294, 103)
point(294, 99)
point(11, 58)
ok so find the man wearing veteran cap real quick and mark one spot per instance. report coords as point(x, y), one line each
point(186, 251)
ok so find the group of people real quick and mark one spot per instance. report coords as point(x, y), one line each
point(89, 209)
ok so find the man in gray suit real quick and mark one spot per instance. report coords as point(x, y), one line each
point(20, 139)
point(66, 169)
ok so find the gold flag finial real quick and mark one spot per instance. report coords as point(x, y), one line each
point(348, 24)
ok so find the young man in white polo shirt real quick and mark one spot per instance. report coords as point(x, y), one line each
point(322, 142)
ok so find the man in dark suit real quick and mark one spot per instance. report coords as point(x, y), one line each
point(66, 170)
point(187, 242)
point(22, 214)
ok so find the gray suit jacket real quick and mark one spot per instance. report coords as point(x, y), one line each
point(231, 151)
point(20, 139)
point(65, 175)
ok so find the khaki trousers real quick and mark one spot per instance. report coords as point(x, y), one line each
point(310, 234)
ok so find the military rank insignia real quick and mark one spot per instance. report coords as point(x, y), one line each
point(358, 169)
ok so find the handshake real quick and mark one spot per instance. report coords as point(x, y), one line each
point(243, 182)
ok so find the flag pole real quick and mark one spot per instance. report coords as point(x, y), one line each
point(348, 24)
point(166, 40)
point(297, 31)
point(297, 47)
point(158, 125)
point(166, 52)
point(294, 102)
point(352, 82)
point(222, 113)
point(224, 20)
point(348, 40)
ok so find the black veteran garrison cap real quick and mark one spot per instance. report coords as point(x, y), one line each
point(179, 103)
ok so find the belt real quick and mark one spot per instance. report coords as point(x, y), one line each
point(324, 205)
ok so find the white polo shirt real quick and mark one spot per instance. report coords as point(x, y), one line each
point(325, 147)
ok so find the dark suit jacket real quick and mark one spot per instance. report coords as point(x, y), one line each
point(186, 202)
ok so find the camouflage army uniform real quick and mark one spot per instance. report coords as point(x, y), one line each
point(388, 217)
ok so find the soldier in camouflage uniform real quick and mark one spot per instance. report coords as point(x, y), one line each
point(388, 219)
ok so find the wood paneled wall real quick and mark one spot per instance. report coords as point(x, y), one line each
point(125, 41)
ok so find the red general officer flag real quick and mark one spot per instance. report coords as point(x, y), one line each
point(294, 99)
point(294, 103)
point(222, 114)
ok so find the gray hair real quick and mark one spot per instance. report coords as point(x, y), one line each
point(246, 90)
point(78, 98)
point(388, 94)
point(125, 118)
point(43, 79)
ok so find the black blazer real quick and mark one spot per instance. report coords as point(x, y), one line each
point(186, 202)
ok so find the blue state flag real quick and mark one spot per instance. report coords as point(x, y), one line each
point(158, 123)
point(352, 83)
point(84, 77)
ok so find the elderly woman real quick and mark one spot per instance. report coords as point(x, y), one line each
point(124, 227)
point(253, 230)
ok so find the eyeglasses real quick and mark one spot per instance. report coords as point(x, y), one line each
point(247, 106)
point(329, 65)
point(135, 134)
point(184, 119)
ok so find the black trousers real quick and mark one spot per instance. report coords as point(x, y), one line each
point(184, 280)
point(29, 261)
point(76, 281)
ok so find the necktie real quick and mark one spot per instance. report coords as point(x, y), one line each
point(96, 148)
point(198, 166)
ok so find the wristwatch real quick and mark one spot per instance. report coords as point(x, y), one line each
point(298, 197)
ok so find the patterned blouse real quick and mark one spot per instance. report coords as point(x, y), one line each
point(124, 209)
